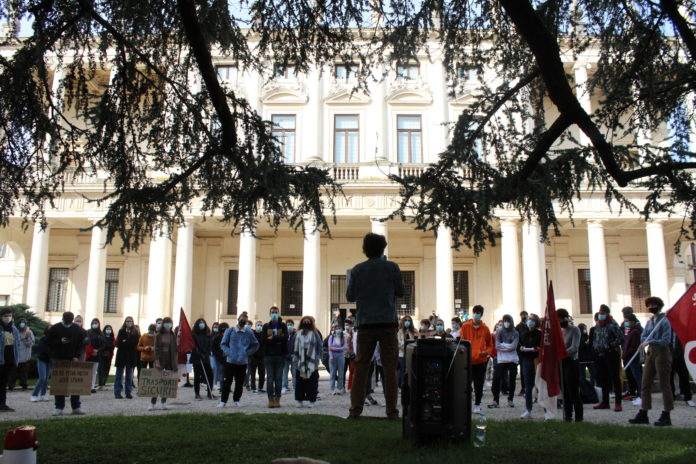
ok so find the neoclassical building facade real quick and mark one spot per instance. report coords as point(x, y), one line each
point(397, 127)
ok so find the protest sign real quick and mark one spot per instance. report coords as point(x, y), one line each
point(157, 383)
point(72, 378)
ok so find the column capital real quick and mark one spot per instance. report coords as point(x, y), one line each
point(596, 223)
point(512, 221)
point(581, 65)
point(655, 224)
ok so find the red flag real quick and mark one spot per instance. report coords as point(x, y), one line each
point(552, 346)
point(682, 318)
point(186, 342)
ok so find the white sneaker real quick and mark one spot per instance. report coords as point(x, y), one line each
point(526, 415)
point(548, 415)
point(221, 405)
point(238, 403)
point(43, 398)
point(300, 404)
point(638, 402)
point(58, 412)
point(311, 404)
point(164, 407)
point(284, 391)
point(691, 403)
point(150, 407)
point(477, 408)
point(33, 398)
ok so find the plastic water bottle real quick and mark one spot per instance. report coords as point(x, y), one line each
point(480, 430)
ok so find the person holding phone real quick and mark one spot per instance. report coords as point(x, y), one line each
point(66, 343)
point(126, 357)
point(275, 346)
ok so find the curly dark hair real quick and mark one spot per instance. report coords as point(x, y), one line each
point(374, 245)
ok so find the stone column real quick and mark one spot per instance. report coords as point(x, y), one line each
point(599, 279)
point(534, 282)
point(582, 92)
point(246, 283)
point(657, 261)
point(381, 228)
point(94, 302)
point(159, 276)
point(315, 118)
point(439, 111)
point(37, 283)
point(444, 274)
point(183, 273)
point(510, 266)
point(311, 278)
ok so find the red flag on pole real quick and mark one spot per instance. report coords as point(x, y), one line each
point(552, 346)
point(682, 318)
point(186, 342)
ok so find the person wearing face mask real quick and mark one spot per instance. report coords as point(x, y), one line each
point(607, 340)
point(337, 345)
point(256, 363)
point(165, 353)
point(275, 347)
point(569, 369)
point(66, 342)
point(26, 341)
point(586, 356)
point(306, 357)
point(95, 342)
point(219, 355)
point(200, 358)
point(476, 332)
point(521, 328)
point(290, 324)
point(9, 339)
point(424, 330)
point(440, 331)
point(43, 366)
point(349, 366)
point(406, 332)
point(657, 338)
point(106, 355)
point(530, 340)
point(214, 329)
point(158, 324)
point(238, 343)
point(126, 357)
point(629, 348)
point(456, 327)
point(506, 341)
point(146, 348)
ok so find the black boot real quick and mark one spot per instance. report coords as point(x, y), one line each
point(663, 420)
point(641, 418)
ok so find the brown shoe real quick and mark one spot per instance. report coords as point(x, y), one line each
point(271, 402)
point(277, 401)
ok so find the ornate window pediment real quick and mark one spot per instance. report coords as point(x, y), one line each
point(276, 92)
point(409, 94)
point(341, 94)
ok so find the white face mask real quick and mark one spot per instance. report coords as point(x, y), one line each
point(6, 319)
point(506, 325)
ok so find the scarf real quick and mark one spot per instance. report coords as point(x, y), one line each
point(306, 356)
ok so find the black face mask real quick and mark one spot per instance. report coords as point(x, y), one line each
point(654, 310)
point(305, 326)
point(564, 324)
point(242, 324)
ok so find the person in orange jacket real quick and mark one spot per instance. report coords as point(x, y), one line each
point(478, 334)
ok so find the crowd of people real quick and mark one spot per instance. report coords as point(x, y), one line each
point(361, 349)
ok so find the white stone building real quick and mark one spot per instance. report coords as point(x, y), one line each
point(605, 257)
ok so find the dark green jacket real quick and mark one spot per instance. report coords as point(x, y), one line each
point(375, 285)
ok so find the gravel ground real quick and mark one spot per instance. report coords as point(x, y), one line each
point(103, 403)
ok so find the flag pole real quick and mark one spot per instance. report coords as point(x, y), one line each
point(647, 340)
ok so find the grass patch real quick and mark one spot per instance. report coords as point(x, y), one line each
point(259, 438)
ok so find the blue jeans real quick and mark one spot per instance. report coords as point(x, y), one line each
point(274, 375)
point(74, 402)
point(528, 374)
point(286, 374)
point(637, 371)
point(44, 368)
point(219, 371)
point(118, 382)
point(336, 366)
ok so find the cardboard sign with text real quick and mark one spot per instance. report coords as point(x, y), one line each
point(72, 378)
point(158, 383)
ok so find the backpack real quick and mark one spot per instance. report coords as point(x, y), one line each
point(588, 394)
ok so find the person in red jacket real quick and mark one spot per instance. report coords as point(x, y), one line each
point(478, 334)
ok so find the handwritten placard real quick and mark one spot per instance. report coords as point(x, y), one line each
point(72, 378)
point(158, 383)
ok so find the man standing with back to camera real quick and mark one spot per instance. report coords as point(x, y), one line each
point(374, 286)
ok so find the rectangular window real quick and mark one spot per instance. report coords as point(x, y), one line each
point(409, 139)
point(338, 295)
point(284, 132)
point(466, 72)
point(57, 289)
point(111, 291)
point(4, 300)
point(640, 288)
point(346, 71)
point(408, 71)
point(291, 293)
point(585, 291)
point(461, 291)
point(226, 73)
point(406, 305)
point(232, 288)
point(281, 71)
point(346, 132)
